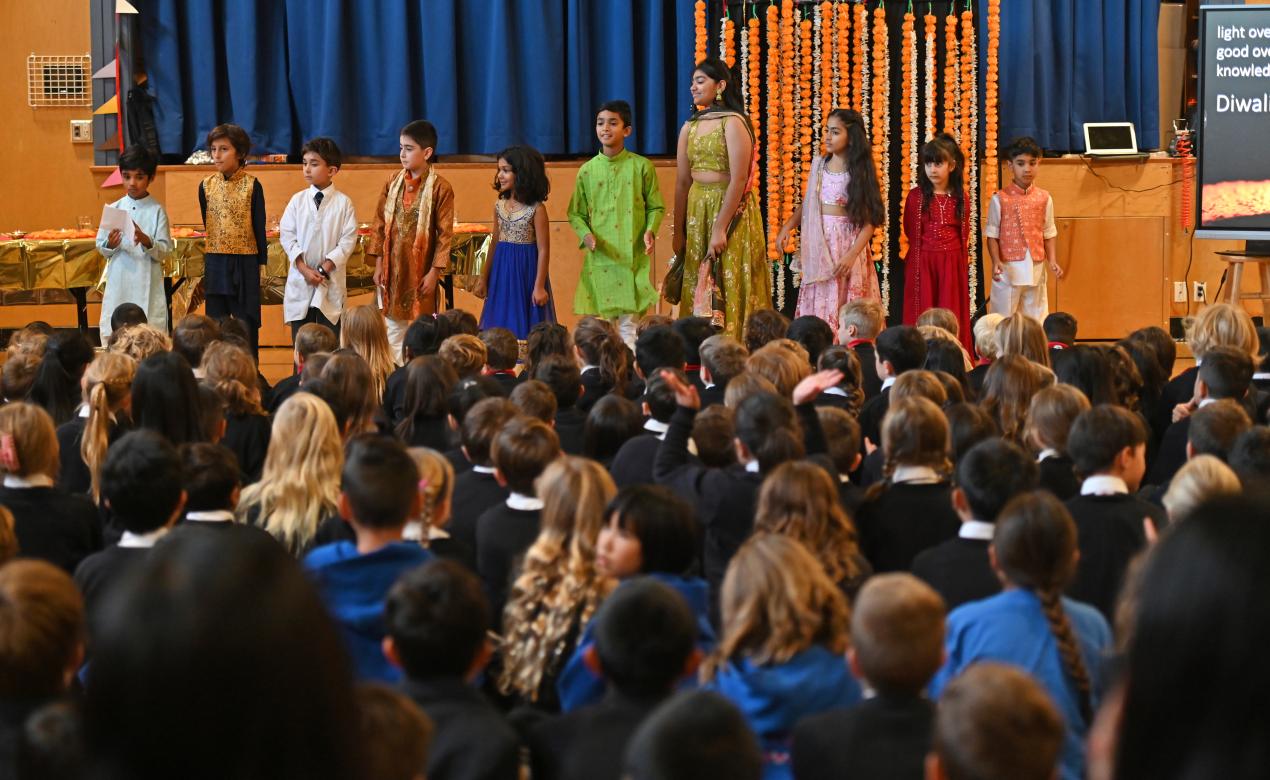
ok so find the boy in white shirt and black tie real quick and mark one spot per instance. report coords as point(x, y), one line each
point(318, 232)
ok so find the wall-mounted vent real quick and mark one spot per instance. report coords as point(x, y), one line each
point(58, 81)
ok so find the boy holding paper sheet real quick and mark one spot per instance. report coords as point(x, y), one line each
point(134, 238)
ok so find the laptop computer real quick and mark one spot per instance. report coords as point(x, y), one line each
point(1111, 139)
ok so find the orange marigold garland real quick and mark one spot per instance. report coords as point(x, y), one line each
point(788, 84)
point(727, 40)
point(881, 143)
point(966, 87)
point(970, 139)
point(806, 102)
point(828, 80)
point(774, 132)
point(842, 56)
point(929, 42)
point(699, 25)
point(991, 86)
point(752, 55)
point(952, 76)
point(908, 111)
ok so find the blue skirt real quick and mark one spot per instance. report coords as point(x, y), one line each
point(509, 297)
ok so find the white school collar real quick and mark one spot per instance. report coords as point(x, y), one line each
point(587, 368)
point(483, 469)
point(976, 529)
point(84, 410)
point(835, 390)
point(523, 502)
point(1262, 376)
point(752, 467)
point(890, 380)
point(916, 475)
point(1205, 402)
point(32, 481)
point(1048, 452)
point(211, 516)
point(1103, 485)
point(657, 428)
point(142, 541)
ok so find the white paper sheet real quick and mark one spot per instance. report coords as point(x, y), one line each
point(118, 219)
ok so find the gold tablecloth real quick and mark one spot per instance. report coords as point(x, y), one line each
point(72, 263)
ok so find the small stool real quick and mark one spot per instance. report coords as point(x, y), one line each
point(1235, 262)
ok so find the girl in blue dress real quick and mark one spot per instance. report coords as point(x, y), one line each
point(515, 276)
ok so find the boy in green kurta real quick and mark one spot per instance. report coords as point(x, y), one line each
point(616, 210)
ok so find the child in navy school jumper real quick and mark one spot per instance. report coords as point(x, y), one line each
point(694, 331)
point(722, 357)
point(560, 373)
point(897, 350)
point(651, 534)
point(379, 494)
point(477, 489)
point(1049, 422)
point(437, 618)
point(521, 451)
point(633, 463)
point(1062, 643)
point(779, 670)
point(1108, 448)
point(842, 435)
point(897, 645)
point(990, 474)
point(859, 323)
point(911, 510)
point(644, 637)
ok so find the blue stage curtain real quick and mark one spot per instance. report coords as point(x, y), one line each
point(215, 61)
point(488, 74)
point(1067, 62)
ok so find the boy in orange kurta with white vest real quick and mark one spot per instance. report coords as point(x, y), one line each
point(1021, 237)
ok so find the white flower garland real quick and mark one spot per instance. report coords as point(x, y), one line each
point(883, 92)
point(911, 151)
point(723, 37)
point(930, 81)
point(816, 55)
point(864, 38)
point(972, 169)
point(745, 64)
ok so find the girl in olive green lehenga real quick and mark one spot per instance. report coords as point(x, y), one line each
point(718, 224)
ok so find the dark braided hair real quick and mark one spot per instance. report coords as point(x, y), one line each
point(1035, 543)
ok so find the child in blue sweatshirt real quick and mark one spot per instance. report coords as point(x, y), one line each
point(782, 655)
point(380, 493)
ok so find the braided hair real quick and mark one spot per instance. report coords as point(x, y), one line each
point(1035, 544)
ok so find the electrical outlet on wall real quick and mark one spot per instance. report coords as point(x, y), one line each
point(1179, 292)
point(81, 131)
point(1201, 292)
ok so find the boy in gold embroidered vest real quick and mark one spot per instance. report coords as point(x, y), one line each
point(410, 241)
point(233, 206)
point(1021, 237)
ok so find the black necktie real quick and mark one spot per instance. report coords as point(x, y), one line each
point(317, 200)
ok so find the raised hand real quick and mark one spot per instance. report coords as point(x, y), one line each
point(814, 385)
point(685, 391)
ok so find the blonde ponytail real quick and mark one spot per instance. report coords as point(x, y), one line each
point(107, 384)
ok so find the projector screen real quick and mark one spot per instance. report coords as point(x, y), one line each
point(1234, 123)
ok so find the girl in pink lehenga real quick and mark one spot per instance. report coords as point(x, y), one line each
point(841, 207)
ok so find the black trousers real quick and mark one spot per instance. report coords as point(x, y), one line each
point(314, 315)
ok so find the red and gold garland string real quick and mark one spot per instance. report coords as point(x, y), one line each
point(774, 133)
point(699, 25)
point(842, 57)
point(908, 116)
point(991, 87)
point(881, 141)
point(952, 75)
point(787, 87)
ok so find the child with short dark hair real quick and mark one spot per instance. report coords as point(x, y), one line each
point(694, 735)
point(897, 645)
point(561, 374)
point(1060, 330)
point(501, 354)
point(1021, 236)
point(616, 210)
point(209, 475)
point(379, 494)
point(611, 423)
point(477, 489)
point(1215, 428)
point(520, 452)
point(633, 464)
point(394, 734)
point(1108, 448)
point(318, 232)
point(310, 338)
point(134, 274)
point(694, 331)
point(842, 435)
point(141, 485)
point(534, 399)
point(1250, 456)
point(722, 358)
point(644, 642)
point(995, 723)
point(1060, 642)
point(714, 434)
point(897, 350)
point(988, 477)
point(233, 206)
point(1226, 373)
point(436, 618)
point(657, 348)
point(410, 238)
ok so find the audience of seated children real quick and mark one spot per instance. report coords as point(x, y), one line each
point(141, 484)
point(842, 436)
point(812, 334)
point(436, 618)
point(138, 342)
point(535, 399)
point(425, 411)
point(995, 723)
point(1108, 449)
point(763, 326)
point(714, 435)
point(633, 464)
point(309, 339)
point(393, 734)
point(521, 450)
point(722, 358)
point(897, 645)
point(776, 668)
point(799, 500)
point(300, 488)
point(991, 474)
point(82, 440)
point(897, 350)
point(603, 358)
point(41, 647)
point(165, 399)
point(782, 362)
point(1216, 325)
point(465, 353)
point(1031, 624)
point(696, 734)
point(859, 323)
point(1049, 421)
point(1019, 334)
point(612, 421)
point(378, 495)
point(501, 354)
point(560, 373)
point(558, 586)
point(424, 337)
point(466, 394)
point(1226, 373)
point(649, 533)
point(49, 523)
point(232, 373)
point(477, 489)
point(911, 510)
point(1202, 479)
point(644, 643)
point(1250, 458)
point(847, 395)
point(1011, 384)
point(364, 331)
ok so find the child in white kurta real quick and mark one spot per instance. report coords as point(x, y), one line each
point(134, 268)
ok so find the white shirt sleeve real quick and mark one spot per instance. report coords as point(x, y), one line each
point(345, 230)
point(992, 225)
point(289, 227)
point(161, 238)
point(1051, 229)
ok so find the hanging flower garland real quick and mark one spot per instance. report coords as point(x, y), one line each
point(806, 102)
point(863, 66)
point(952, 75)
point(881, 143)
point(789, 175)
point(727, 39)
point(929, 53)
point(752, 54)
point(842, 56)
point(774, 156)
point(828, 73)
point(699, 26)
point(970, 138)
point(991, 86)
point(908, 111)
point(816, 95)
